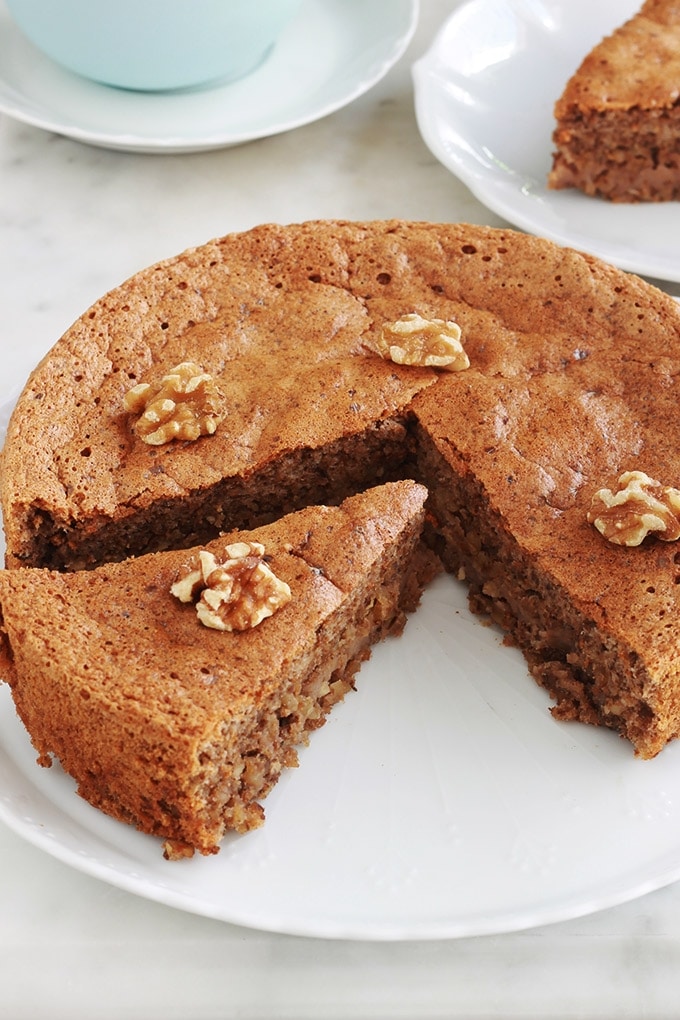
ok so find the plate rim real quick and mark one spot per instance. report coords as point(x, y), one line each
point(28, 810)
point(497, 194)
point(637, 881)
point(405, 20)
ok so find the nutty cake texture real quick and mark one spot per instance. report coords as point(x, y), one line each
point(618, 120)
point(181, 728)
point(563, 380)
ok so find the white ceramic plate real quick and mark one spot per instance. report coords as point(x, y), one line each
point(333, 52)
point(484, 96)
point(440, 800)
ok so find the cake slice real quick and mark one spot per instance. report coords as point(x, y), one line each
point(569, 381)
point(298, 414)
point(181, 728)
point(618, 120)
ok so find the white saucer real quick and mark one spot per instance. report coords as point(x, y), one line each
point(484, 96)
point(333, 52)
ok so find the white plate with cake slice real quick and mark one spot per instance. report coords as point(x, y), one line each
point(484, 97)
point(441, 799)
point(332, 52)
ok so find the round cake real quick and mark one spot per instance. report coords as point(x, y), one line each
point(316, 353)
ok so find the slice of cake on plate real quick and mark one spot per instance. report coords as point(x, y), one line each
point(618, 120)
point(294, 365)
point(175, 687)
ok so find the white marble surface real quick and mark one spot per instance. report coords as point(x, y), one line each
point(75, 221)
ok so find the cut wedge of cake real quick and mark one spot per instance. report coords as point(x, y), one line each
point(181, 728)
point(514, 378)
point(618, 120)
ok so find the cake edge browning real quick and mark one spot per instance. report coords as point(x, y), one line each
point(293, 481)
point(617, 133)
point(594, 675)
point(564, 333)
point(192, 787)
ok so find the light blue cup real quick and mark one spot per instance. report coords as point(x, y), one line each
point(154, 45)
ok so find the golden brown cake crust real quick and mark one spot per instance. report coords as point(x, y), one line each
point(618, 122)
point(572, 381)
point(638, 65)
point(282, 316)
point(180, 728)
point(279, 316)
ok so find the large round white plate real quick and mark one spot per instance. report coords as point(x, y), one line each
point(440, 800)
point(333, 52)
point(484, 95)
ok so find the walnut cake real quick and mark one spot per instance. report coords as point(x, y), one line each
point(169, 719)
point(618, 119)
point(526, 380)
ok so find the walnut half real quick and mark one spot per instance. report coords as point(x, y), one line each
point(413, 340)
point(235, 594)
point(639, 507)
point(185, 404)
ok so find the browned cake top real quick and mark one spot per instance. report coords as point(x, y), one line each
point(151, 652)
point(280, 319)
point(638, 66)
point(283, 318)
point(572, 381)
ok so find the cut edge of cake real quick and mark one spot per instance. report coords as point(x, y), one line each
point(180, 729)
point(617, 133)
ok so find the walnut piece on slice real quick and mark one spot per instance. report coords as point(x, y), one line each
point(185, 404)
point(413, 340)
point(639, 507)
point(236, 593)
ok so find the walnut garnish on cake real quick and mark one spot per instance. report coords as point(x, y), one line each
point(185, 404)
point(414, 340)
point(640, 506)
point(236, 593)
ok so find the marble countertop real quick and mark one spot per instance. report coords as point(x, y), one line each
point(74, 221)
